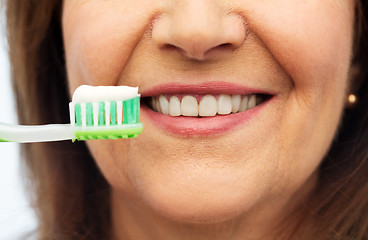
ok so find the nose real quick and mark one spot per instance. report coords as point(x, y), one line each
point(199, 29)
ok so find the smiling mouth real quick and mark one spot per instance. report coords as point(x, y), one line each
point(208, 105)
point(202, 109)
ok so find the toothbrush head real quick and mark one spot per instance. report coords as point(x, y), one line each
point(105, 112)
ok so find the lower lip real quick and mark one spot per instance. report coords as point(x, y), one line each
point(193, 126)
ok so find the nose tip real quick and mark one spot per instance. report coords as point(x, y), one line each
point(199, 33)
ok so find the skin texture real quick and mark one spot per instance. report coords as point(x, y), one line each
point(236, 185)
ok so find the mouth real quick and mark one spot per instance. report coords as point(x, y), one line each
point(205, 109)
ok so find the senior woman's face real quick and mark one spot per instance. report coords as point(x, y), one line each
point(293, 55)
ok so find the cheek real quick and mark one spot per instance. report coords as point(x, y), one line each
point(99, 39)
point(111, 156)
point(311, 40)
point(314, 48)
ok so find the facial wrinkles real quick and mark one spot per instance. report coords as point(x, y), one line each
point(108, 41)
point(268, 152)
point(315, 74)
point(344, 7)
point(320, 35)
point(70, 6)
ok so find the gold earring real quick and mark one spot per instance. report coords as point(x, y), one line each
point(352, 100)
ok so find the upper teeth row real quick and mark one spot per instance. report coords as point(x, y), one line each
point(208, 105)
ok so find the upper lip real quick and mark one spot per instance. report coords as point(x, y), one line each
point(210, 87)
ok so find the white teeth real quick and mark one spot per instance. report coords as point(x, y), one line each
point(224, 104)
point(189, 106)
point(244, 104)
point(208, 106)
point(163, 104)
point(252, 101)
point(235, 102)
point(174, 106)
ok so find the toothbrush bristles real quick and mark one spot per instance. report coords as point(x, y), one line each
point(108, 113)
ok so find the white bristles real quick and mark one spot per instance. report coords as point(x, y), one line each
point(83, 113)
point(119, 110)
point(107, 113)
point(95, 114)
point(72, 113)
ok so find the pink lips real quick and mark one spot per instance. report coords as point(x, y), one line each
point(194, 126)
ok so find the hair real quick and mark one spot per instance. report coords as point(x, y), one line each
point(70, 195)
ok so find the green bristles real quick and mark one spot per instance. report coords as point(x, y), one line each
point(130, 127)
point(89, 114)
point(101, 114)
point(131, 111)
point(78, 114)
point(113, 113)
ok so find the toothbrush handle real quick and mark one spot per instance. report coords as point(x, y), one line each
point(27, 134)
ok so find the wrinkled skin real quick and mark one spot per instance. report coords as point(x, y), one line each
point(241, 183)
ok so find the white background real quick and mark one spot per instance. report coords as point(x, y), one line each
point(16, 216)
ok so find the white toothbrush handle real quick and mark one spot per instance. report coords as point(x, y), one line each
point(44, 133)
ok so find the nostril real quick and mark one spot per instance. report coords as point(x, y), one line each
point(172, 47)
point(224, 48)
point(220, 47)
point(224, 45)
point(168, 46)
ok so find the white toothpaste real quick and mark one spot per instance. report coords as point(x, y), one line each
point(87, 93)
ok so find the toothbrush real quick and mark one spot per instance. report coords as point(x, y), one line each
point(102, 112)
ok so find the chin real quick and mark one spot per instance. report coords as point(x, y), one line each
point(197, 209)
point(215, 197)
